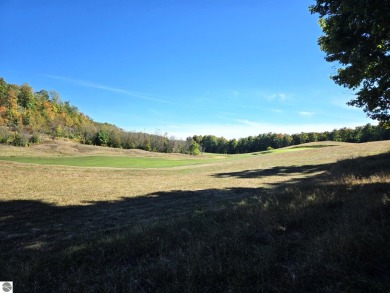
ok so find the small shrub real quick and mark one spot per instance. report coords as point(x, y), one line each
point(20, 139)
point(270, 148)
point(6, 136)
point(194, 149)
point(35, 138)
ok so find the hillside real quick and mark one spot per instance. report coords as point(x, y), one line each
point(64, 147)
point(28, 116)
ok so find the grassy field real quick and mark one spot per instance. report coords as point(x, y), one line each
point(61, 154)
point(134, 162)
point(110, 161)
point(314, 220)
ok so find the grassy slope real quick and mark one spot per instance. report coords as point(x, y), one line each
point(293, 221)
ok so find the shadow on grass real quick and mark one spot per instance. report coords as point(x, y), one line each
point(29, 225)
point(243, 233)
point(376, 163)
point(275, 171)
point(314, 146)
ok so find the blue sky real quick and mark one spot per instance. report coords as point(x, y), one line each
point(227, 68)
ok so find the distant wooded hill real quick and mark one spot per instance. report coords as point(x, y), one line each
point(262, 142)
point(25, 115)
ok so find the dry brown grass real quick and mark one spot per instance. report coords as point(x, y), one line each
point(60, 185)
point(284, 208)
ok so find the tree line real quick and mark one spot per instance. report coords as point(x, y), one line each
point(262, 142)
point(26, 115)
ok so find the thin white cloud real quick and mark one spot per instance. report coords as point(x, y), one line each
point(277, 96)
point(93, 85)
point(304, 113)
point(246, 122)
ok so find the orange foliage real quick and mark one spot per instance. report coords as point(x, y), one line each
point(3, 115)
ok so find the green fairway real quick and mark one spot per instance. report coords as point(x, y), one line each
point(110, 161)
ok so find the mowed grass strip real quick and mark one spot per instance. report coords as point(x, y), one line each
point(284, 150)
point(110, 161)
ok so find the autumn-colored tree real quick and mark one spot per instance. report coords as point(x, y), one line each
point(13, 116)
point(3, 115)
point(26, 97)
point(3, 92)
